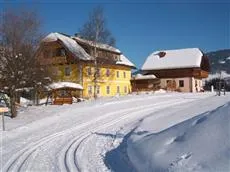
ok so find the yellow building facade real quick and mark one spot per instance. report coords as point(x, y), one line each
point(111, 76)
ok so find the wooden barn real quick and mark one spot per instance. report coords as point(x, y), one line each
point(178, 70)
point(141, 82)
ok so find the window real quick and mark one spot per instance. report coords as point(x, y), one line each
point(118, 89)
point(89, 90)
point(161, 54)
point(125, 89)
point(181, 83)
point(124, 75)
point(55, 71)
point(98, 73)
point(107, 72)
point(67, 71)
point(60, 52)
point(47, 53)
point(89, 72)
point(117, 74)
point(108, 90)
point(98, 89)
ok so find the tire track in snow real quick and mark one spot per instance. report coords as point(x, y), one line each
point(72, 148)
point(18, 160)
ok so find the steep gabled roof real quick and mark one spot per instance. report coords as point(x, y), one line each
point(98, 45)
point(70, 44)
point(125, 61)
point(173, 59)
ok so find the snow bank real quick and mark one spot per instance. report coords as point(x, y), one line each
point(198, 144)
point(140, 77)
point(160, 91)
point(25, 102)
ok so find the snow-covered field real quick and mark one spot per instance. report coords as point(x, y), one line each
point(164, 131)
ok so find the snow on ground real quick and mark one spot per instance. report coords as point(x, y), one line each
point(198, 144)
point(93, 135)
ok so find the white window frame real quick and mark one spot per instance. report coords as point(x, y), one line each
point(179, 83)
point(90, 90)
point(118, 89)
point(107, 89)
point(89, 71)
point(118, 74)
point(125, 89)
point(98, 72)
point(67, 73)
point(98, 89)
point(107, 72)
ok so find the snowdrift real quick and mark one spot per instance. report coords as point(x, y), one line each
point(201, 143)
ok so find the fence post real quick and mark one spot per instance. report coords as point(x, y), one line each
point(2, 112)
point(3, 121)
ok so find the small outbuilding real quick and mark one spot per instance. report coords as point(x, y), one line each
point(141, 82)
point(62, 92)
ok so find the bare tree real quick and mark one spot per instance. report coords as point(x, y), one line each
point(95, 30)
point(19, 69)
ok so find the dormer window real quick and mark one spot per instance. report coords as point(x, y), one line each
point(117, 58)
point(161, 54)
point(60, 52)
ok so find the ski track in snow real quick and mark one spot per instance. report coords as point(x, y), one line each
point(68, 159)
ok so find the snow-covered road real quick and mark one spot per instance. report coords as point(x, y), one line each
point(76, 137)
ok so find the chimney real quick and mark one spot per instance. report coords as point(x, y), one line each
point(77, 35)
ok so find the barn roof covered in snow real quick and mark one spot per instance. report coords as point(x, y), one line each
point(70, 44)
point(172, 59)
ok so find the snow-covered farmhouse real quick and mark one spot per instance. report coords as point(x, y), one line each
point(178, 70)
point(72, 59)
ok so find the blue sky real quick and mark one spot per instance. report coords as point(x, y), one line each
point(141, 27)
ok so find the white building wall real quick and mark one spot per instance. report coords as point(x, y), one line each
point(185, 88)
point(191, 84)
point(197, 84)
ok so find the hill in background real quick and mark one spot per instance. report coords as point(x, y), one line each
point(219, 60)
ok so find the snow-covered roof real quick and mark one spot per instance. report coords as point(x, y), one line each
point(98, 45)
point(59, 85)
point(172, 59)
point(142, 77)
point(69, 43)
point(125, 61)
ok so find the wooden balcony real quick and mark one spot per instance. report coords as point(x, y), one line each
point(53, 60)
